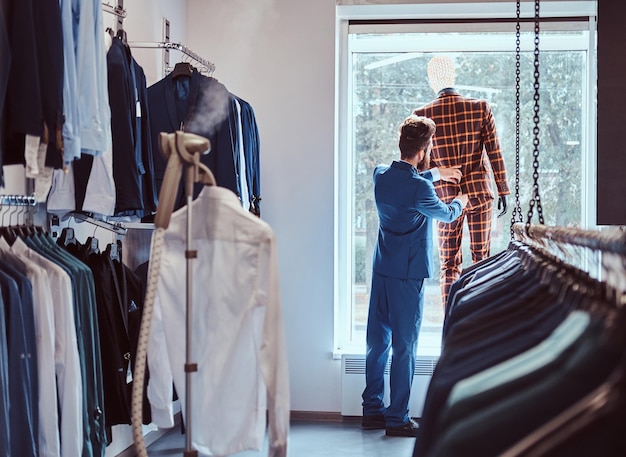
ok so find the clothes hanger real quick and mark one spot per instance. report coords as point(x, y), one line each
point(67, 236)
point(182, 69)
point(121, 34)
point(113, 251)
point(10, 232)
point(93, 243)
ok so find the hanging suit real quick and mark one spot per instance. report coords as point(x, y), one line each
point(5, 416)
point(128, 167)
point(143, 142)
point(67, 362)
point(521, 346)
point(22, 365)
point(200, 105)
point(491, 428)
point(86, 322)
point(251, 147)
point(115, 294)
point(24, 114)
point(465, 131)
point(43, 318)
point(508, 324)
point(5, 58)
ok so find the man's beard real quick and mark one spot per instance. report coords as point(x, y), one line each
point(425, 163)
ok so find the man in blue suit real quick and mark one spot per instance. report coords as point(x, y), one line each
point(406, 202)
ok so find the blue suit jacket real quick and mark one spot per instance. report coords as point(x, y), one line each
point(200, 105)
point(406, 202)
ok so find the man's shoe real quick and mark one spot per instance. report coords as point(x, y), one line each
point(376, 422)
point(411, 428)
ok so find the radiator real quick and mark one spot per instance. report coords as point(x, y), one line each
point(353, 383)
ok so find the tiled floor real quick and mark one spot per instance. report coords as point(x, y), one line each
point(312, 439)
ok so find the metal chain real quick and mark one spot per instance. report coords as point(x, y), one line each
point(536, 199)
point(516, 216)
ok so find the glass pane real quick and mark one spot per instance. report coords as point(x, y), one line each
point(387, 87)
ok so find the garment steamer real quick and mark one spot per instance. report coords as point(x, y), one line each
point(180, 148)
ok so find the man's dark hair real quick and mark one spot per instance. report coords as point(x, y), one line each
point(415, 134)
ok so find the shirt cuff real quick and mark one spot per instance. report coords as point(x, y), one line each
point(435, 173)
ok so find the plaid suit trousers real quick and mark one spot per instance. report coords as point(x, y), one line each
point(479, 216)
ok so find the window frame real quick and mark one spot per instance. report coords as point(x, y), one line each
point(350, 20)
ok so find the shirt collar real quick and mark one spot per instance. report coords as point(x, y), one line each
point(446, 91)
point(402, 165)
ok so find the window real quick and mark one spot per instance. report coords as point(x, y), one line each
point(384, 78)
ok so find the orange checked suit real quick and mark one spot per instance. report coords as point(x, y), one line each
point(466, 136)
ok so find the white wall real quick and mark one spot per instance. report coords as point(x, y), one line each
point(279, 56)
point(144, 22)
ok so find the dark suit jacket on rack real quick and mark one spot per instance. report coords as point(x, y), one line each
point(35, 101)
point(144, 140)
point(128, 166)
point(200, 105)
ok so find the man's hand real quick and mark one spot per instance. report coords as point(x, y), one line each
point(502, 205)
point(464, 199)
point(451, 174)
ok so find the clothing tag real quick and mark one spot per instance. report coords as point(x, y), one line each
point(138, 109)
point(31, 146)
point(129, 374)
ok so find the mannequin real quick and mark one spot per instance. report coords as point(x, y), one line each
point(466, 136)
point(440, 73)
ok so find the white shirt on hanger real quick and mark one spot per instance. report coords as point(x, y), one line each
point(238, 335)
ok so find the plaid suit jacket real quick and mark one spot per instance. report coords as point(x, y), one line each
point(466, 135)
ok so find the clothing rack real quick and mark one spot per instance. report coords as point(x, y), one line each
point(207, 65)
point(18, 200)
point(610, 241)
point(117, 10)
point(610, 244)
point(116, 227)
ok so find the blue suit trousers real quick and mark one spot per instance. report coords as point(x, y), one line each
point(394, 320)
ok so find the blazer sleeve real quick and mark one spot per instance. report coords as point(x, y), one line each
point(494, 152)
point(429, 204)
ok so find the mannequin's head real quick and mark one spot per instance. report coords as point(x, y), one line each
point(440, 73)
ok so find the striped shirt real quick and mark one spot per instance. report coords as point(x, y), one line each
point(466, 135)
